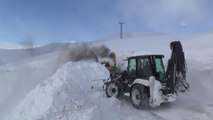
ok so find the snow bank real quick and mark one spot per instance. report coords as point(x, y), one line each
point(18, 78)
point(69, 88)
point(67, 95)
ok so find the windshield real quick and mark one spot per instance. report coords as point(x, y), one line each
point(144, 68)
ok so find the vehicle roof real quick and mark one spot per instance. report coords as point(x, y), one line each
point(146, 56)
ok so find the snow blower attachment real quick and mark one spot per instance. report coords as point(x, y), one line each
point(147, 81)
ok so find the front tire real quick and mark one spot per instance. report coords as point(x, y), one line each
point(139, 96)
point(112, 90)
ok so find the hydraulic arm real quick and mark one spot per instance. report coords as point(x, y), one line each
point(175, 77)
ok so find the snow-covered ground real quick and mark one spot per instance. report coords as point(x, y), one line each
point(18, 78)
point(31, 89)
point(65, 94)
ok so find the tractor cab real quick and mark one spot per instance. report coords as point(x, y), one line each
point(144, 67)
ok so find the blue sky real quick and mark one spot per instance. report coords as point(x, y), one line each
point(64, 20)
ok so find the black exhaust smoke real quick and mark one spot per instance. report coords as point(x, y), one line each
point(87, 51)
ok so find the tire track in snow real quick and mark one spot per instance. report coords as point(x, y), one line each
point(185, 112)
point(158, 117)
point(147, 113)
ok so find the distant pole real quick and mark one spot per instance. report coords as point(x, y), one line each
point(121, 29)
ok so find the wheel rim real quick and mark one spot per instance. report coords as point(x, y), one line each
point(112, 90)
point(136, 97)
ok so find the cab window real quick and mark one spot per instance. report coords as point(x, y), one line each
point(144, 68)
point(132, 70)
point(159, 67)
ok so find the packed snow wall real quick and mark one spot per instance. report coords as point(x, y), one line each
point(69, 88)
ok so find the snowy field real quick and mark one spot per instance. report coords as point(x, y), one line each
point(41, 84)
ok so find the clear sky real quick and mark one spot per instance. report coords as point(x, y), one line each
point(63, 20)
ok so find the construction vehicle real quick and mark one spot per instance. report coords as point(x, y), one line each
point(147, 81)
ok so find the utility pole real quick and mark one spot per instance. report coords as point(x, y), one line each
point(121, 29)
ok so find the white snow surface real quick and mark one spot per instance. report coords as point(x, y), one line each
point(68, 90)
point(18, 78)
point(67, 94)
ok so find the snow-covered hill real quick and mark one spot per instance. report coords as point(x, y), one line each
point(5, 45)
point(13, 55)
point(66, 94)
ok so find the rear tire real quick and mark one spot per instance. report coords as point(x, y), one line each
point(139, 96)
point(113, 90)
